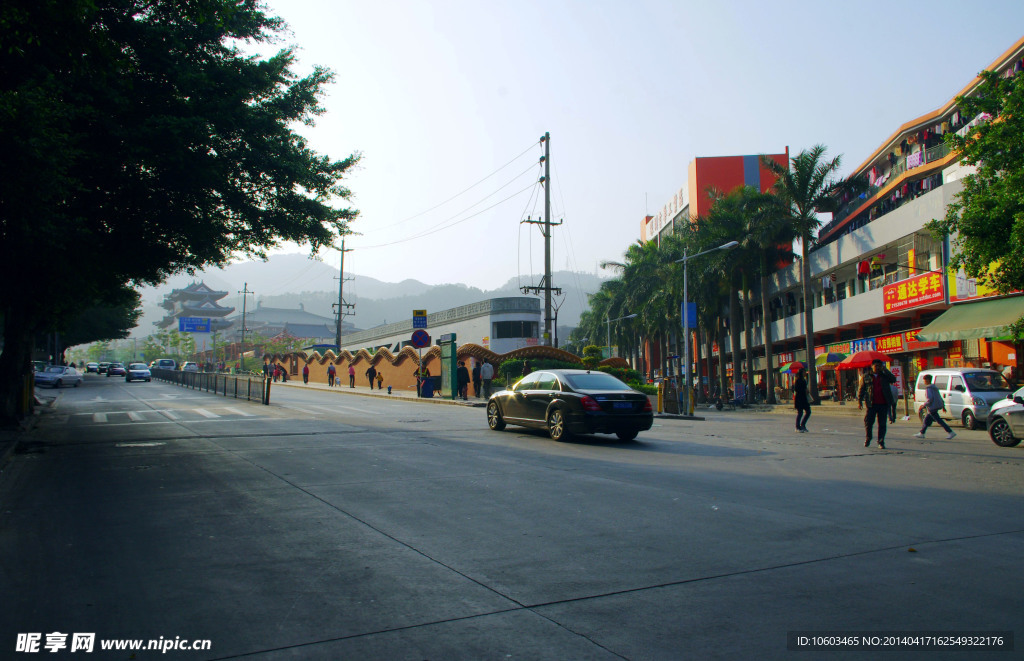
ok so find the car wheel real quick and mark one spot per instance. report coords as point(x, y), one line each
point(557, 428)
point(78, 383)
point(494, 419)
point(1001, 434)
point(626, 435)
point(969, 421)
point(58, 384)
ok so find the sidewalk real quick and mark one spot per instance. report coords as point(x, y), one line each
point(364, 391)
point(9, 437)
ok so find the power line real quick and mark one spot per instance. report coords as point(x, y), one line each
point(441, 229)
point(441, 204)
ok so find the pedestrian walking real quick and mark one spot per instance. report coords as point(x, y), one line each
point(462, 379)
point(526, 367)
point(305, 374)
point(371, 374)
point(351, 376)
point(803, 407)
point(331, 373)
point(380, 381)
point(876, 393)
point(421, 374)
point(932, 406)
point(476, 380)
point(487, 375)
point(895, 402)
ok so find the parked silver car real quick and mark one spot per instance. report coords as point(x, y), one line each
point(1006, 420)
point(57, 376)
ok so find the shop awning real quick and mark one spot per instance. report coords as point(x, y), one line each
point(971, 321)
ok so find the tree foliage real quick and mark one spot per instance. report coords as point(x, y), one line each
point(986, 219)
point(139, 139)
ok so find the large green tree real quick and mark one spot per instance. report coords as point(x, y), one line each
point(808, 187)
point(986, 219)
point(140, 139)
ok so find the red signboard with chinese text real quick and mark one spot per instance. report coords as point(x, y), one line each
point(913, 344)
point(913, 293)
point(891, 343)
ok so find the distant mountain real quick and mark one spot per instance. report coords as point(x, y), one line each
point(285, 281)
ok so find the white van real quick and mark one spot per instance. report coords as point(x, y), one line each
point(165, 364)
point(967, 392)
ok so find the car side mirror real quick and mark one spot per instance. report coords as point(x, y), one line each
point(958, 388)
point(1018, 400)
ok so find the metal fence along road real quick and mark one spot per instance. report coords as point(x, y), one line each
point(238, 386)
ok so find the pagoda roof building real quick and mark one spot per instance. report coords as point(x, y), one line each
point(196, 300)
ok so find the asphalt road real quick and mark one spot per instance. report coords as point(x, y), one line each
point(332, 526)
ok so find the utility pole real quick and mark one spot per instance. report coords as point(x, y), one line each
point(557, 307)
point(546, 230)
point(241, 352)
point(341, 294)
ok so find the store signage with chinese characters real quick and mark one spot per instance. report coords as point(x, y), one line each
point(786, 357)
point(913, 344)
point(891, 343)
point(913, 292)
point(839, 347)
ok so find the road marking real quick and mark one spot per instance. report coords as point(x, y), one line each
point(205, 413)
point(306, 411)
point(99, 417)
point(135, 416)
point(170, 414)
point(237, 411)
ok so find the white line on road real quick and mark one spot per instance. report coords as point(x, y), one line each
point(205, 413)
point(237, 411)
point(99, 417)
point(306, 411)
point(170, 414)
point(135, 416)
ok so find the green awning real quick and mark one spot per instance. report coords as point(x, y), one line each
point(972, 321)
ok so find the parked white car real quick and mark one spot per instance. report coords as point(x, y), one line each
point(57, 376)
point(1006, 420)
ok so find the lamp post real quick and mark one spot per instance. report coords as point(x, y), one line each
point(608, 333)
point(686, 320)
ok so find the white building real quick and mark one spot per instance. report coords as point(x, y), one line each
point(499, 324)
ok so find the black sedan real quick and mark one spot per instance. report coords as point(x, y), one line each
point(567, 402)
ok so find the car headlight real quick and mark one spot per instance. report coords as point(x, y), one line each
point(977, 401)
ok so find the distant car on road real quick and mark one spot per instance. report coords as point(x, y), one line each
point(102, 368)
point(164, 364)
point(92, 367)
point(57, 376)
point(568, 402)
point(116, 369)
point(138, 372)
point(189, 367)
point(1006, 420)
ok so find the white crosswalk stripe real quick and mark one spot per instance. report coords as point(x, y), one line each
point(99, 417)
point(205, 413)
point(238, 412)
point(170, 414)
point(136, 416)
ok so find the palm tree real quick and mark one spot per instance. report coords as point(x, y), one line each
point(809, 187)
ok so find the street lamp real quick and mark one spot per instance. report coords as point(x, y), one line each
point(608, 333)
point(686, 320)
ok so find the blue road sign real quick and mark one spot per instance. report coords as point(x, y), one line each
point(691, 314)
point(419, 318)
point(193, 324)
point(420, 339)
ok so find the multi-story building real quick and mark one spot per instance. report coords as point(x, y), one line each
point(880, 276)
point(196, 300)
point(706, 175)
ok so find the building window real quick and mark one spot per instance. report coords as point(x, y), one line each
point(509, 329)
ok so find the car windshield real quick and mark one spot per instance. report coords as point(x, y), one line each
point(55, 370)
point(137, 366)
point(595, 381)
point(987, 382)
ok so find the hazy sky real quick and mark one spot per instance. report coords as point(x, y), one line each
point(439, 94)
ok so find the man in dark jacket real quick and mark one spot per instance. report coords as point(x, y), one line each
point(462, 379)
point(477, 391)
point(371, 374)
point(875, 391)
